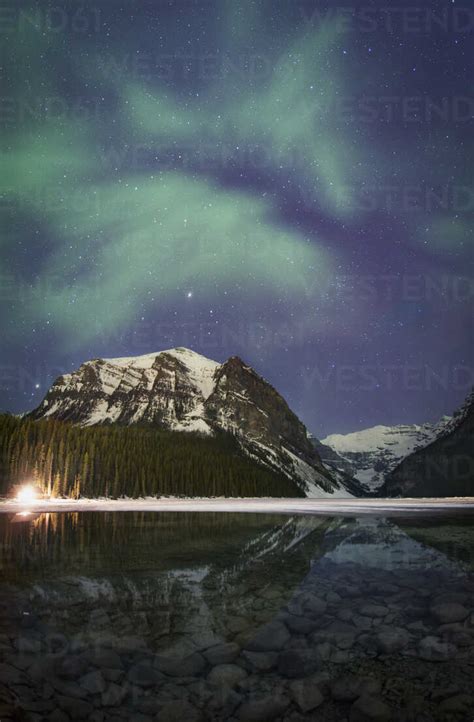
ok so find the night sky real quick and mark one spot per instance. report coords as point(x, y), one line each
point(287, 181)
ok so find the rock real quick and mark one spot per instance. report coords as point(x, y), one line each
point(128, 644)
point(113, 675)
point(345, 615)
point(323, 650)
point(42, 707)
point(71, 666)
point(362, 622)
point(28, 645)
point(226, 675)
point(306, 694)
point(434, 649)
point(350, 687)
point(179, 711)
point(340, 633)
point(58, 716)
point(114, 695)
point(392, 640)
point(298, 662)
point(369, 708)
point(75, 708)
point(266, 708)
point(449, 612)
point(373, 610)
point(224, 704)
point(10, 675)
point(460, 703)
point(262, 661)
point(144, 675)
point(93, 682)
point(105, 658)
point(299, 625)
point(313, 604)
point(222, 653)
point(270, 638)
point(68, 688)
point(190, 666)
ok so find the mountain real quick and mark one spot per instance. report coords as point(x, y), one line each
point(371, 454)
point(445, 467)
point(180, 390)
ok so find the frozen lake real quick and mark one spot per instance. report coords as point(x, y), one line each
point(346, 507)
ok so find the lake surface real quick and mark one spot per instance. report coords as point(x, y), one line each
point(209, 616)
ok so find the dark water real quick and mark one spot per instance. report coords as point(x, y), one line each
point(187, 617)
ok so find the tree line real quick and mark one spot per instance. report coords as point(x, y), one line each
point(134, 461)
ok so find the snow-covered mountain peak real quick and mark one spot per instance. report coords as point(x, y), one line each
point(374, 452)
point(180, 390)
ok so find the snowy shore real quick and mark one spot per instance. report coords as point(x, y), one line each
point(346, 507)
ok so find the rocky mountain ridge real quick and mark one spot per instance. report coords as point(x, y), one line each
point(181, 390)
point(371, 454)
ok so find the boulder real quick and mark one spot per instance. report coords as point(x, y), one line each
point(295, 663)
point(349, 687)
point(114, 695)
point(71, 666)
point(93, 682)
point(222, 653)
point(190, 666)
point(449, 612)
point(144, 675)
point(262, 661)
point(369, 708)
point(392, 640)
point(270, 638)
point(266, 708)
point(179, 711)
point(226, 675)
point(373, 610)
point(434, 649)
point(306, 694)
point(75, 708)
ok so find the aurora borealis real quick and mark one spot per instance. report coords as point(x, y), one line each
point(286, 181)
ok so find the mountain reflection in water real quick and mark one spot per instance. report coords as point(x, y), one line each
point(236, 616)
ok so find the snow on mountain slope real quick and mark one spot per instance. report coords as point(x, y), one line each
point(374, 452)
point(444, 467)
point(181, 390)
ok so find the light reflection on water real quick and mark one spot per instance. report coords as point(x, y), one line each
point(223, 616)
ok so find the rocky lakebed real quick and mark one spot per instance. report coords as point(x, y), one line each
point(278, 618)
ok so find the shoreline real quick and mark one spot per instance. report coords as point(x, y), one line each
point(346, 507)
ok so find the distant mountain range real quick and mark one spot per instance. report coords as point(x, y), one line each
point(409, 459)
point(371, 454)
point(180, 390)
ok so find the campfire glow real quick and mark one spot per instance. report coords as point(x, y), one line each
point(27, 495)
